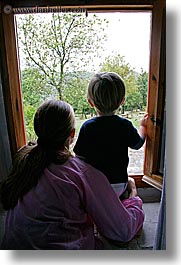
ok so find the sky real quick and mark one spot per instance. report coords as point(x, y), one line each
point(129, 36)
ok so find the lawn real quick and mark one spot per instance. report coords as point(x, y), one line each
point(134, 117)
point(136, 157)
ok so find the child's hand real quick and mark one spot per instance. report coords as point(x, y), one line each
point(143, 126)
point(144, 120)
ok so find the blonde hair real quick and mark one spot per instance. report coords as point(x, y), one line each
point(106, 91)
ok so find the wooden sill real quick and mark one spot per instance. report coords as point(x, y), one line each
point(139, 181)
point(154, 180)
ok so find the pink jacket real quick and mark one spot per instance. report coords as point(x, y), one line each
point(60, 211)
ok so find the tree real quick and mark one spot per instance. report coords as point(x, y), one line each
point(60, 44)
point(34, 87)
point(34, 91)
point(142, 84)
point(118, 65)
point(75, 93)
point(29, 112)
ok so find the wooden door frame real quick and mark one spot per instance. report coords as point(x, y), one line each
point(156, 90)
point(156, 96)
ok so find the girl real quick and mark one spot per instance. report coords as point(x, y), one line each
point(54, 199)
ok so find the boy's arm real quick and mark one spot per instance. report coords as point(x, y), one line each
point(143, 127)
point(80, 144)
point(142, 132)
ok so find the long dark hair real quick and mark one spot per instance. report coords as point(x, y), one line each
point(53, 124)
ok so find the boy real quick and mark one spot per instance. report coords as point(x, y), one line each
point(103, 141)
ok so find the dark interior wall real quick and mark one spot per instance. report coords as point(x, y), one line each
point(5, 154)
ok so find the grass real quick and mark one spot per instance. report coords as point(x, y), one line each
point(136, 157)
point(134, 117)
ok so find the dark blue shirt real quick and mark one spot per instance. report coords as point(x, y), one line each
point(103, 142)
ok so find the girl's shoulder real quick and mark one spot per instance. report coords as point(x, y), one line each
point(82, 166)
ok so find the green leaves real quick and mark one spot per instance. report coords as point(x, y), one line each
point(136, 84)
point(142, 84)
point(59, 43)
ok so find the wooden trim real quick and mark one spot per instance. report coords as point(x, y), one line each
point(89, 9)
point(156, 91)
point(11, 85)
point(44, 3)
point(139, 181)
point(12, 90)
point(91, 6)
point(154, 180)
